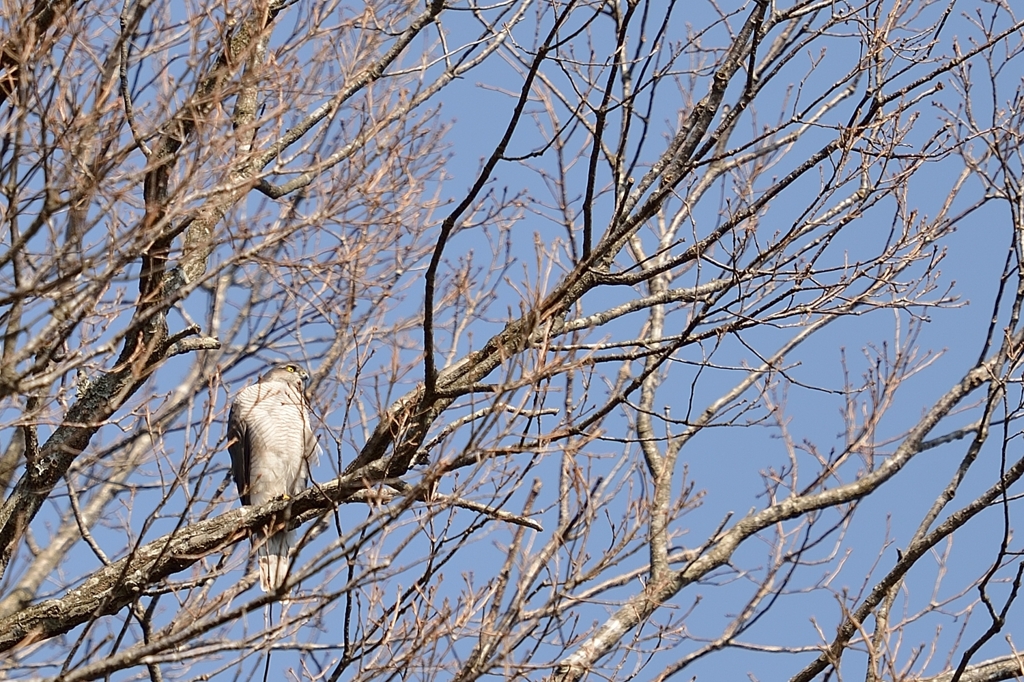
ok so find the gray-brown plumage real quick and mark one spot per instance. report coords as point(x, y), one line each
point(271, 442)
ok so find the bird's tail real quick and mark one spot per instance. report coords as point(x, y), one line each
point(273, 559)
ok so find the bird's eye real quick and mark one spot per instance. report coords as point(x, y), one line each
point(290, 368)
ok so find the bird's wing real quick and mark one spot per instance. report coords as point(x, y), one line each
point(240, 449)
point(312, 444)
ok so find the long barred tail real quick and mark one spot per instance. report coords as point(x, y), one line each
point(273, 560)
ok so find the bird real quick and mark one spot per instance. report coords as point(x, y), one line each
point(271, 443)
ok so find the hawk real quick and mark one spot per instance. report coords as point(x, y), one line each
point(271, 442)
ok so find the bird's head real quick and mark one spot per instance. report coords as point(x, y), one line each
point(289, 373)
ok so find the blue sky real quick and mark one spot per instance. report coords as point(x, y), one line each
point(352, 272)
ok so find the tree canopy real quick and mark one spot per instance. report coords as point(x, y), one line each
point(648, 340)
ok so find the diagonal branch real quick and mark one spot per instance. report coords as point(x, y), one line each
point(643, 605)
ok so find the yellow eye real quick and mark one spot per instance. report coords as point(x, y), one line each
point(290, 368)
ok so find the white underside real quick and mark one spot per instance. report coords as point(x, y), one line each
point(278, 430)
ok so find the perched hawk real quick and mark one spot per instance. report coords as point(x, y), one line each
point(271, 442)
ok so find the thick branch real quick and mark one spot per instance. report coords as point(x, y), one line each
point(113, 587)
point(101, 400)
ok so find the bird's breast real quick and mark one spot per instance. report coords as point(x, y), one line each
point(278, 430)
